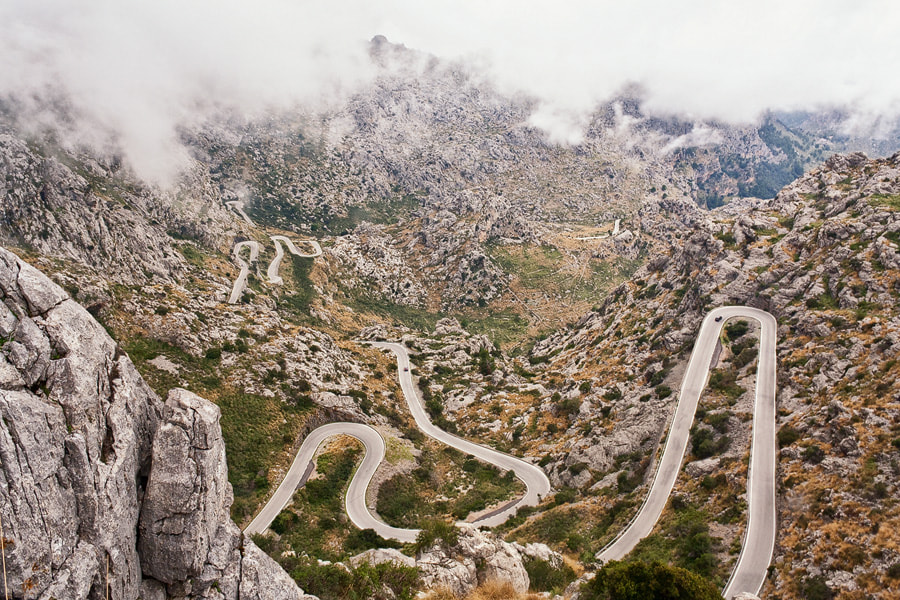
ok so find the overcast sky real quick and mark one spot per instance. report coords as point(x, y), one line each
point(140, 68)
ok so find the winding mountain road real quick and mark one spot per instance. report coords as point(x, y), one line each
point(759, 539)
point(355, 499)
point(275, 265)
point(241, 282)
point(238, 207)
point(536, 482)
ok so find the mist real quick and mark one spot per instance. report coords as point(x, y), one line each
point(128, 75)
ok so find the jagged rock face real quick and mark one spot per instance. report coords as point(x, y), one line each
point(476, 558)
point(77, 426)
point(79, 434)
point(188, 493)
point(89, 213)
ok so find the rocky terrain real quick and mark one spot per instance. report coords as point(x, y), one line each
point(822, 257)
point(449, 222)
point(106, 489)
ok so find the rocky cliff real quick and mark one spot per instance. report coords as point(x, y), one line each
point(106, 491)
point(82, 209)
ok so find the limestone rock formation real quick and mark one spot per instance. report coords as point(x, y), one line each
point(81, 209)
point(86, 447)
point(188, 493)
point(477, 557)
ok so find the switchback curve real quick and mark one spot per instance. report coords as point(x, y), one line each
point(759, 539)
point(536, 482)
point(355, 500)
point(241, 282)
point(272, 271)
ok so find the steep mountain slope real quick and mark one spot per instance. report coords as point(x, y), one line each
point(823, 258)
point(106, 491)
point(56, 203)
point(550, 294)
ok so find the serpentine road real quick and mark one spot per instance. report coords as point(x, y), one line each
point(272, 271)
point(759, 539)
point(241, 282)
point(356, 493)
point(238, 207)
point(536, 483)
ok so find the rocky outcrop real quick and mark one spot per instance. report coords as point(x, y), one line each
point(88, 451)
point(79, 209)
point(187, 495)
point(477, 557)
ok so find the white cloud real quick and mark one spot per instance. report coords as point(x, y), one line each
point(563, 127)
point(701, 135)
point(136, 70)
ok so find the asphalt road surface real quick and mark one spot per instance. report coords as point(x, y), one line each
point(241, 282)
point(272, 271)
point(238, 207)
point(355, 501)
point(536, 482)
point(759, 539)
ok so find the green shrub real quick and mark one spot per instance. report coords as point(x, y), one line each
point(647, 581)
point(718, 421)
point(564, 496)
point(333, 582)
point(398, 500)
point(485, 362)
point(569, 406)
point(705, 443)
point(736, 329)
point(787, 435)
point(744, 356)
point(612, 394)
point(577, 468)
point(555, 526)
point(893, 571)
point(545, 577)
point(695, 547)
point(813, 454)
point(728, 238)
point(710, 483)
point(627, 484)
point(815, 588)
point(436, 531)
point(654, 378)
point(724, 381)
point(360, 540)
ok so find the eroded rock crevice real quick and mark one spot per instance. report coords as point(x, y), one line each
point(97, 475)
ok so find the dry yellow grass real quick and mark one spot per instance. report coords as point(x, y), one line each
point(489, 590)
point(440, 593)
